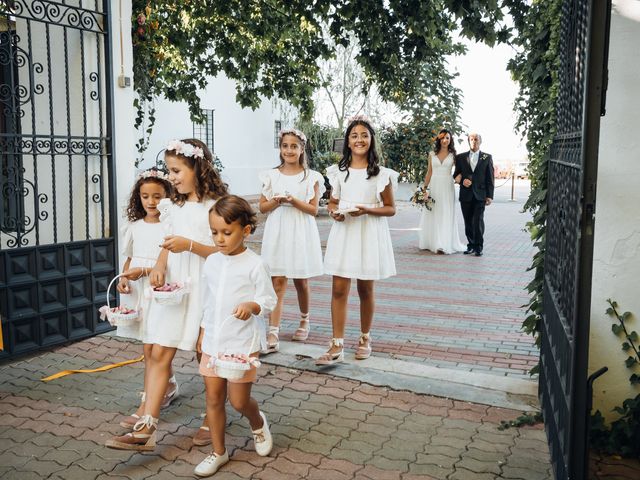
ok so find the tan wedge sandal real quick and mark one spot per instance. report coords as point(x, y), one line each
point(329, 358)
point(364, 347)
point(141, 442)
point(302, 332)
point(272, 345)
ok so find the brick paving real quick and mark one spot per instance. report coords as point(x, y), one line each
point(452, 311)
point(324, 427)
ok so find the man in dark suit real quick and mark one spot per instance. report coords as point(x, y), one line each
point(474, 173)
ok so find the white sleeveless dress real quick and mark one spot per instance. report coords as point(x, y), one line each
point(291, 242)
point(360, 247)
point(179, 325)
point(439, 227)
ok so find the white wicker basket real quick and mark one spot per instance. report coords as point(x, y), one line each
point(170, 298)
point(231, 370)
point(116, 318)
point(235, 370)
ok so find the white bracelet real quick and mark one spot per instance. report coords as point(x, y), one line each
point(190, 245)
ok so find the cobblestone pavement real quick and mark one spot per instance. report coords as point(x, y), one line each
point(324, 427)
point(453, 311)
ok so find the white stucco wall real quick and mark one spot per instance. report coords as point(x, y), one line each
point(616, 269)
point(243, 138)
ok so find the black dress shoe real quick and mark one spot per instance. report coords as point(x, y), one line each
point(468, 251)
point(478, 253)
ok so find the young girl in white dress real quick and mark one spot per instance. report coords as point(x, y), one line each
point(359, 244)
point(187, 243)
point(438, 226)
point(238, 292)
point(142, 235)
point(291, 242)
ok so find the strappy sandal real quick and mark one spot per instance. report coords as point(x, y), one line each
point(302, 332)
point(203, 435)
point(141, 442)
point(273, 346)
point(170, 397)
point(131, 420)
point(329, 358)
point(364, 347)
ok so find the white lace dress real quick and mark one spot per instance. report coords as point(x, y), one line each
point(179, 325)
point(439, 227)
point(140, 241)
point(291, 242)
point(360, 247)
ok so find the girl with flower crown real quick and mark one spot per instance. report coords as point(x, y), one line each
point(359, 244)
point(187, 243)
point(291, 242)
point(142, 235)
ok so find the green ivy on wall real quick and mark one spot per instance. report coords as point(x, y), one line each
point(535, 69)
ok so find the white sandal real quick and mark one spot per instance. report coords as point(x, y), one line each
point(273, 346)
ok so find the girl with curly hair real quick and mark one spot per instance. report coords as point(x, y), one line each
point(188, 242)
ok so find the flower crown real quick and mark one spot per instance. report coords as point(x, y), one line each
point(359, 118)
point(153, 173)
point(185, 149)
point(295, 132)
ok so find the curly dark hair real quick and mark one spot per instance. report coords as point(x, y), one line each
point(438, 145)
point(232, 208)
point(209, 184)
point(135, 210)
point(373, 167)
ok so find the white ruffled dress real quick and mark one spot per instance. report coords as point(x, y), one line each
point(291, 242)
point(140, 242)
point(178, 325)
point(360, 247)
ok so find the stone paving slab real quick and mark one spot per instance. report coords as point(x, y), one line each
point(324, 426)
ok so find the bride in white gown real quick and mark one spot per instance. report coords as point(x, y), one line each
point(438, 226)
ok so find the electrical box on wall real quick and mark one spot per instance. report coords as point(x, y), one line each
point(124, 81)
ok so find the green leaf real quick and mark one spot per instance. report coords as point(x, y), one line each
point(630, 362)
point(626, 346)
point(633, 336)
point(617, 329)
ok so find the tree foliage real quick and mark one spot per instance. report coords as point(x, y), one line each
point(272, 47)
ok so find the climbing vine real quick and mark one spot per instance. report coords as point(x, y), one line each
point(622, 436)
point(535, 69)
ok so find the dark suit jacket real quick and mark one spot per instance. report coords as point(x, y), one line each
point(482, 183)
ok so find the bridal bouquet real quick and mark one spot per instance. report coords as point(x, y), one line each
point(420, 198)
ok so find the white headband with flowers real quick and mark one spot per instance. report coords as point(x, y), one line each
point(293, 131)
point(153, 173)
point(185, 149)
point(359, 118)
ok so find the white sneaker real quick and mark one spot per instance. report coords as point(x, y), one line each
point(211, 464)
point(262, 438)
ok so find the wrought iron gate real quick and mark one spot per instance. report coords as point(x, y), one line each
point(57, 177)
point(569, 235)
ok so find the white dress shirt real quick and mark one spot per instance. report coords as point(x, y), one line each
point(473, 159)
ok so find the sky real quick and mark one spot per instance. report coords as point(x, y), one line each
point(488, 93)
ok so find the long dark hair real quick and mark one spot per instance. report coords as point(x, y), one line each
point(373, 168)
point(135, 210)
point(438, 145)
point(209, 184)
